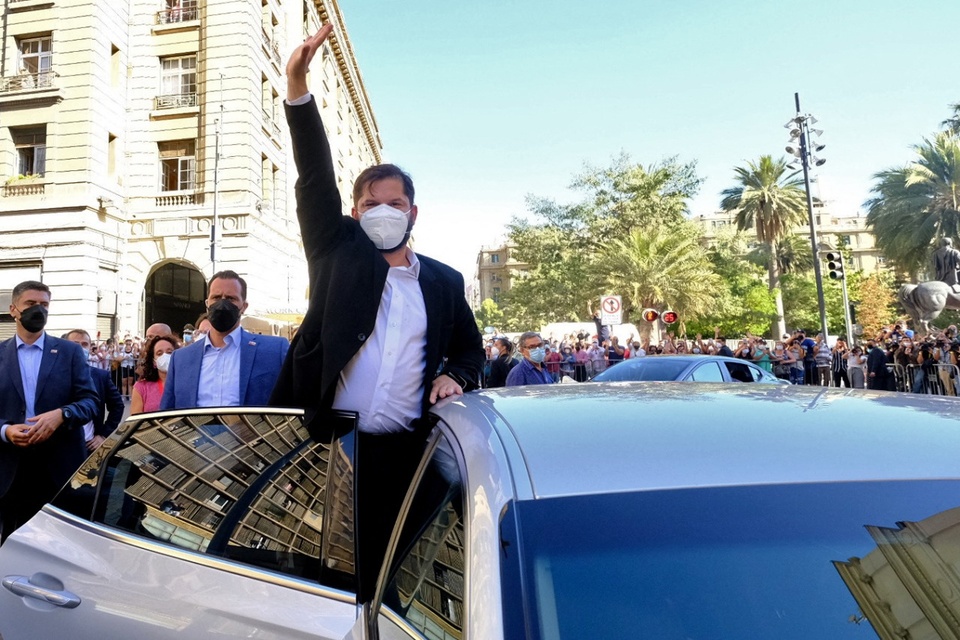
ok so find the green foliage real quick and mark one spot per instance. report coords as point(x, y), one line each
point(802, 310)
point(22, 178)
point(743, 301)
point(916, 204)
point(772, 202)
point(489, 315)
point(662, 268)
point(566, 245)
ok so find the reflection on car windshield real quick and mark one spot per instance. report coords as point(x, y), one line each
point(651, 369)
point(786, 562)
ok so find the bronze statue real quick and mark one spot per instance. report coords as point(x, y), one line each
point(946, 263)
point(925, 301)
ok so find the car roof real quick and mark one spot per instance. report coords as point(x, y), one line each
point(625, 436)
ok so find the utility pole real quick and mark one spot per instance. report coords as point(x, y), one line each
point(218, 123)
point(800, 129)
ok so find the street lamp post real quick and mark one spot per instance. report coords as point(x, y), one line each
point(800, 146)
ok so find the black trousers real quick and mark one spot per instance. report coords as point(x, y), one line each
point(385, 465)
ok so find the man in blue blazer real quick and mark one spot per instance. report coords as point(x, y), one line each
point(46, 396)
point(110, 405)
point(230, 367)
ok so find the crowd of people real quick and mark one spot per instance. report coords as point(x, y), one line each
point(895, 359)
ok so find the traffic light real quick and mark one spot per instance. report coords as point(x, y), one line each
point(835, 265)
point(669, 317)
point(650, 315)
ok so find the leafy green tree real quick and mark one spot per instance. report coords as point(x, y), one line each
point(489, 315)
point(563, 244)
point(773, 202)
point(794, 254)
point(803, 309)
point(661, 268)
point(917, 204)
point(744, 304)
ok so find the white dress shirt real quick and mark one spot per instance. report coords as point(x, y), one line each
point(383, 382)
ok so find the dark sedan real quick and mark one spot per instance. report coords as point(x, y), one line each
point(691, 368)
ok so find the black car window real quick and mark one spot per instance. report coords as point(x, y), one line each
point(644, 369)
point(740, 372)
point(707, 372)
point(427, 570)
point(254, 488)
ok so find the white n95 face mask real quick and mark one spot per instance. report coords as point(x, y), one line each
point(387, 227)
point(163, 362)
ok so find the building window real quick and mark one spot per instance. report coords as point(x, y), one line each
point(881, 260)
point(178, 82)
point(495, 258)
point(846, 240)
point(177, 165)
point(178, 11)
point(31, 146)
point(36, 55)
point(496, 295)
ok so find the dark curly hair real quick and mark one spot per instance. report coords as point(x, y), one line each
point(147, 365)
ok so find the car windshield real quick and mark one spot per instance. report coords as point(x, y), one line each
point(785, 561)
point(651, 368)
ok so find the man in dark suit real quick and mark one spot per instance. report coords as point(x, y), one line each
point(388, 331)
point(230, 366)
point(46, 396)
point(110, 406)
point(876, 367)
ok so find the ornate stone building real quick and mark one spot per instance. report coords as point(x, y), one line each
point(832, 231)
point(111, 117)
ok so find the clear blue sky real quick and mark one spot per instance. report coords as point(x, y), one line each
point(486, 102)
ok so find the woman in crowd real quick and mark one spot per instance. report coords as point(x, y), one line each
point(784, 361)
point(838, 364)
point(761, 356)
point(856, 368)
point(796, 355)
point(501, 365)
point(156, 359)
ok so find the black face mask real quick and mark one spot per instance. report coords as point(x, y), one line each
point(223, 315)
point(34, 318)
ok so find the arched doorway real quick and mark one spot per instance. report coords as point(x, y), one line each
point(174, 295)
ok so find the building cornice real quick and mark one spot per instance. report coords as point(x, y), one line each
point(339, 42)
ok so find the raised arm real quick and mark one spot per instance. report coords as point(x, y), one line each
point(318, 201)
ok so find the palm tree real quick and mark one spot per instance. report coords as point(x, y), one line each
point(916, 204)
point(772, 202)
point(952, 124)
point(660, 267)
point(793, 255)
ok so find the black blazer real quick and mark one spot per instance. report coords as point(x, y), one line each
point(63, 381)
point(111, 401)
point(347, 275)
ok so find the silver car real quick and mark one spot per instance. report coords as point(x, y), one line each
point(620, 510)
point(687, 368)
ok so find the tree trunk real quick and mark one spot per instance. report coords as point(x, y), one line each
point(779, 326)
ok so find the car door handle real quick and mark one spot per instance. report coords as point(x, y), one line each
point(21, 586)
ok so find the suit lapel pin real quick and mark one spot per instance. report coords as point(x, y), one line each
point(53, 350)
point(252, 343)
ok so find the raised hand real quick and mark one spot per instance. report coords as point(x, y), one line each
point(299, 63)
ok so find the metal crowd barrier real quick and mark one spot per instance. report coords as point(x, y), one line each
point(936, 379)
point(581, 371)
